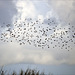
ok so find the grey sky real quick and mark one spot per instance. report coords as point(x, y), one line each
point(7, 11)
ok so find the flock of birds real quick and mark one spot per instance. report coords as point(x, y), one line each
point(39, 34)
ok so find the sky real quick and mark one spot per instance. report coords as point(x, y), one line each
point(61, 12)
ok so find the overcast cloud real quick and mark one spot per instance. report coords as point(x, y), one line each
point(62, 12)
point(64, 8)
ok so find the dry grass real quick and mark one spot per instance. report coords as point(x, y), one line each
point(27, 72)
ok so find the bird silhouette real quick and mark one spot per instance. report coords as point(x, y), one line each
point(39, 34)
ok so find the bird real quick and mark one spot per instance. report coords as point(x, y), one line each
point(39, 35)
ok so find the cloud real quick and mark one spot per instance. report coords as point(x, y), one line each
point(65, 9)
point(19, 10)
point(20, 54)
point(24, 10)
point(14, 53)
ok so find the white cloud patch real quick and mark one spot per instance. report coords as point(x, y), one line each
point(22, 54)
point(26, 9)
point(64, 8)
point(13, 53)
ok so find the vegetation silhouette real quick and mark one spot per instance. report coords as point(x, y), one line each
point(22, 72)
